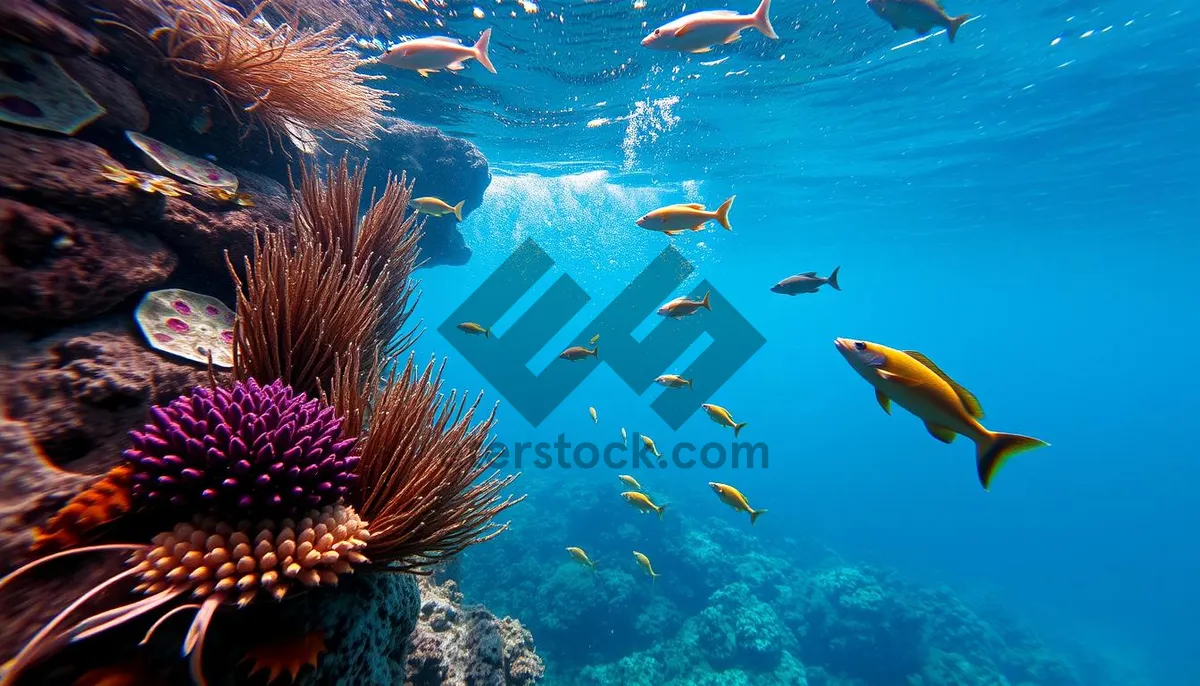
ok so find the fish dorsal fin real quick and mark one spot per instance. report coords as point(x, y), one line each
point(941, 433)
point(692, 205)
point(808, 274)
point(445, 39)
point(968, 398)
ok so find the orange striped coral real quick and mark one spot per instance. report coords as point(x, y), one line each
point(100, 503)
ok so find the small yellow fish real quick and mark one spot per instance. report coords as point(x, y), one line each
point(649, 443)
point(624, 437)
point(675, 219)
point(673, 381)
point(643, 503)
point(578, 352)
point(948, 409)
point(592, 411)
point(629, 481)
point(594, 339)
point(436, 207)
point(474, 329)
point(645, 563)
point(722, 416)
point(734, 498)
point(581, 557)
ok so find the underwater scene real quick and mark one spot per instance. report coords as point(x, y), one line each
point(599, 342)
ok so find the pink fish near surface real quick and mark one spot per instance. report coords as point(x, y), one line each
point(700, 31)
point(919, 15)
point(427, 55)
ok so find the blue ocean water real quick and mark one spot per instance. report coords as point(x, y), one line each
point(1018, 205)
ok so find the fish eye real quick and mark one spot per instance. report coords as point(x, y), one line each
point(657, 31)
point(859, 345)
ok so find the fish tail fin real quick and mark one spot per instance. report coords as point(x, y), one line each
point(481, 50)
point(723, 210)
point(458, 210)
point(955, 23)
point(833, 278)
point(487, 333)
point(704, 302)
point(754, 515)
point(660, 510)
point(762, 20)
point(690, 386)
point(737, 428)
point(596, 351)
point(994, 450)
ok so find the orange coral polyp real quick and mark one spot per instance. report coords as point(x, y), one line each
point(211, 558)
point(102, 502)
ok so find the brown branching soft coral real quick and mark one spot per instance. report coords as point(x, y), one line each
point(295, 82)
point(421, 468)
point(102, 502)
point(338, 293)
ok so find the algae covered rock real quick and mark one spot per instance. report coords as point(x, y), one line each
point(465, 645)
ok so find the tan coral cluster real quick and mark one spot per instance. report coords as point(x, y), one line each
point(212, 557)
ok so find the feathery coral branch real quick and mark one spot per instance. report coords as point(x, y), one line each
point(422, 473)
point(293, 81)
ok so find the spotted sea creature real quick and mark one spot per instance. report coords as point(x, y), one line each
point(182, 165)
point(190, 325)
point(35, 92)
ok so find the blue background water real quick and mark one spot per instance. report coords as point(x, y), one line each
point(1018, 208)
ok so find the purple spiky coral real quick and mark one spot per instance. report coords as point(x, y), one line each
point(246, 451)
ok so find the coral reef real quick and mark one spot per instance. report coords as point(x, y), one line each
point(462, 645)
point(737, 606)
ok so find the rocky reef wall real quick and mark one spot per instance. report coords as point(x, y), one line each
point(87, 227)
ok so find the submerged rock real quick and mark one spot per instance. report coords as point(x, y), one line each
point(80, 391)
point(461, 645)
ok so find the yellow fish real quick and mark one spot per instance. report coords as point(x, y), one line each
point(675, 219)
point(629, 481)
point(645, 563)
point(948, 409)
point(594, 339)
point(722, 416)
point(436, 207)
point(649, 443)
point(640, 501)
point(673, 381)
point(734, 498)
point(581, 557)
point(474, 329)
point(592, 411)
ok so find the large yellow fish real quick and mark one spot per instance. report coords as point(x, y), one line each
point(436, 207)
point(734, 498)
point(595, 419)
point(629, 481)
point(673, 381)
point(722, 416)
point(675, 219)
point(643, 503)
point(645, 563)
point(581, 556)
point(948, 409)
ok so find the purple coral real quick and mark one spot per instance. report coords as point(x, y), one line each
point(245, 452)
